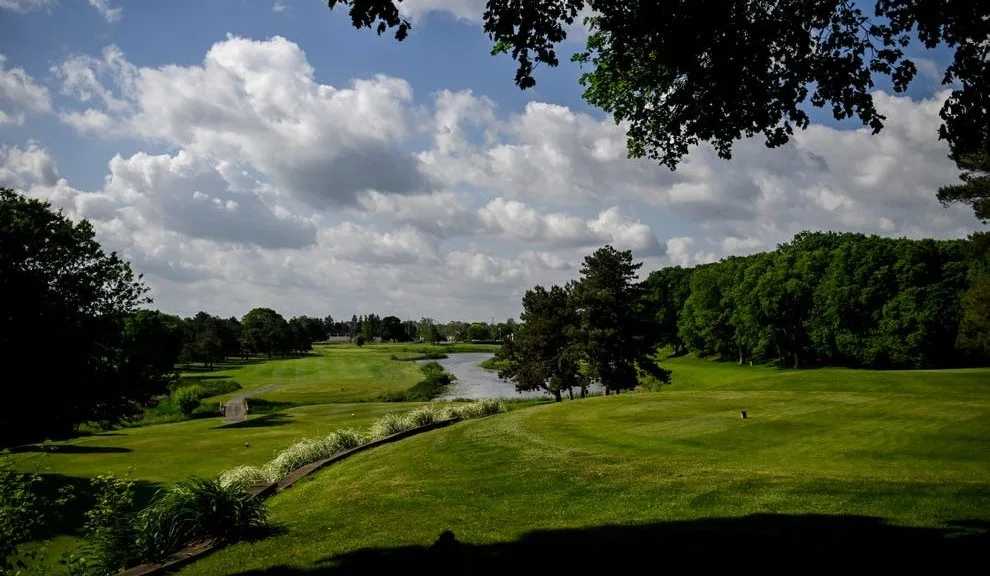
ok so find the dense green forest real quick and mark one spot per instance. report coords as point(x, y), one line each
point(832, 299)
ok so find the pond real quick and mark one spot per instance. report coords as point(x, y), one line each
point(475, 382)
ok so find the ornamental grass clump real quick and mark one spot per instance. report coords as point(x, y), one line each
point(298, 455)
point(195, 510)
point(341, 440)
point(388, 425)
point(247, 476)
point(478, 409)
point(425, 416)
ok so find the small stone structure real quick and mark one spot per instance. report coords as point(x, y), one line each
point(235, 411)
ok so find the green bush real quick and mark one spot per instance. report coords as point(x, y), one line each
point(211, 388)
point(186, 399)
point(110, 544)
point(359, 340)
point(196, 509)
point(118, 536)
point(20, 510)
point(435, 381)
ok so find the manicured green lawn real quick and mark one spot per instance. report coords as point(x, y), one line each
point(331, 373)
point(156, 456)
point(830, 462)
point(165, 453)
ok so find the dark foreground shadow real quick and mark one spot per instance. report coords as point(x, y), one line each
point(69, 518)
point(69, 449)
point(265, 421)
point(774, 543)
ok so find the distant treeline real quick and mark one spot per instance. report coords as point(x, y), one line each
point(208, 339)
point(827, 298)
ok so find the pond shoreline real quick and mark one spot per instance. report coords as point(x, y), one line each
point(474, 382)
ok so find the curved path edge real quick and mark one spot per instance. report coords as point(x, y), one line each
point(200, 549)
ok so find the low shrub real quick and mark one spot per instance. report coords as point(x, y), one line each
point(211, 388)
point(297, 455)
point(479, 409)
point(110, 543)
point(24, 510)
point(247, 476)
point(341, 440)
point(435, 380)
point(425, 416)
point(196, 509)
point(119, 536)
point(186, 399)
point(388, 425)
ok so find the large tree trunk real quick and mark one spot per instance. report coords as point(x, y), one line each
point(606, 390)
point(556, 396)
point(570, 392)
point(741, 356)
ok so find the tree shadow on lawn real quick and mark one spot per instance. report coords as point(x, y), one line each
point(265, 421)
point(776, 543)
point(69, 449)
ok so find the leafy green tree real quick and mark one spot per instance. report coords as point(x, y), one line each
point(975, 188)
point(428, 331)
point(613, 325)
point(680, 72)
point(264, 331)
point(300, 333)
point(704, 324)
point(56, 280)
point(478, 331)
point(230, 337)
point(154, 342)
point(411, 328)
point(666, 291)
point(392, 329)
point(544, 353)
point(974, 326)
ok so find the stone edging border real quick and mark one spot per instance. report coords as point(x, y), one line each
point(201, 549)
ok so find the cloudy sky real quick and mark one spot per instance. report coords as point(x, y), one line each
point(246, 153)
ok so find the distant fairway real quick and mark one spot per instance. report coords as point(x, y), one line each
point(854, 454)
point(330, 373)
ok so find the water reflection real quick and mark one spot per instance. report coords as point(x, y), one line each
point(475, 382)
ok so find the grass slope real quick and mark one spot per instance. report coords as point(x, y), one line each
point(166, 453)
point(831, 463)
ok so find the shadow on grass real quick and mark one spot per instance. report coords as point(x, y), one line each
point(198, 377)
point(265, 421)
point(777, 543)
point(69, 449)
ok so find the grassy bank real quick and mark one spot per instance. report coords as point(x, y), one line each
point(869, 461)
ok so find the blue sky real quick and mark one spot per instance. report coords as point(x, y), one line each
point(247, 152)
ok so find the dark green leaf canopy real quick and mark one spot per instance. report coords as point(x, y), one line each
point(680, 72)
